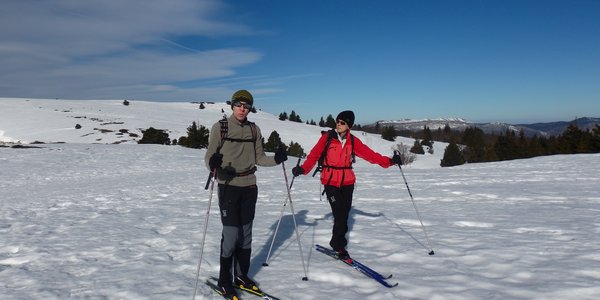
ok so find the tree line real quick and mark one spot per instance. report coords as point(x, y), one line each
point(197, 137)
point(473, 145)
point(469, 146)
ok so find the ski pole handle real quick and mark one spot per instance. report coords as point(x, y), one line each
point(210, 176)
point(294, 177)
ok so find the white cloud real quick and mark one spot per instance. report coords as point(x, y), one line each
point(78, 48)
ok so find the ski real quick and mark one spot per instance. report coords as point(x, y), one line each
point(259, 293)
point(358, 266)
point(217, 290)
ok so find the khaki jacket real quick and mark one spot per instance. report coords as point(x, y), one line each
point(242, 156)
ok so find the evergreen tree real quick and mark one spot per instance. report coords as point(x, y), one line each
point(283, 116)
point(417, 148)
point(573, 140)
point(595, 139)
point(447, 134)
point(274, 142)
point(427, 137)
point(154, 136)
point(506, 146)
point(388, 133)
point(295, 150)
point(197, 137)
point(474, 144)
point(534, 146)
point(330, 121)
point(523, 150)
point(293, 116)
point(452, 156)
point(322, 122)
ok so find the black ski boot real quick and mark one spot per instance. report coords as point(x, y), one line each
point(244, 282)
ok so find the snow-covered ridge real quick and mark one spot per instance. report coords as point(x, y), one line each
point(539, 129)
point(405, 121)
point(24, 120)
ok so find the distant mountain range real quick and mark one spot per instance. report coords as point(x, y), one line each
point(539, 129)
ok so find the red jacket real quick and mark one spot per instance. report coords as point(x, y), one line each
point(339, 157)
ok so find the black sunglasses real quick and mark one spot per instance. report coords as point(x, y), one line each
point(240, 104)
point(341, 122)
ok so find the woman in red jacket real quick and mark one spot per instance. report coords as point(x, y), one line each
point(335, 152)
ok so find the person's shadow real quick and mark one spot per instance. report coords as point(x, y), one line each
point(284, 239)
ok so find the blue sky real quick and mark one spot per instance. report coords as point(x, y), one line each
point(509, 61)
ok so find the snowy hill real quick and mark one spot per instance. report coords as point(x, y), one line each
point(89, 219)
point(116, 222)
point(109, 122)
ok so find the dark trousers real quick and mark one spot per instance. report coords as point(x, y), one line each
point(340, 200)
point(237, 206)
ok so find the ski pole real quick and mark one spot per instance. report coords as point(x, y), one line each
point(305, 278)
point(415, 206)
point(266, 263)
point(212, 180)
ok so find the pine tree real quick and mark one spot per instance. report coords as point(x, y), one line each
point(452, 156)
point(474, 144)
point(388, 133)
point(293, 116)
point(595, 139)
point(295, 150)
point(427, 137)
point(506, 146)
point(417, 148)
point(330, 121)
point(322, 122)
point(274, 142)
point(154, 136)
point(197, 137)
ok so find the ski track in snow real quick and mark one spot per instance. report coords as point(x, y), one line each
point(81, 221)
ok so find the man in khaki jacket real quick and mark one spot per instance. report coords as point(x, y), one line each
point(234, 149)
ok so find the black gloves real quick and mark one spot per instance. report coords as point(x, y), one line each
point(215, 161)
point(280, 155)
point(396, 160)
point(297, 171)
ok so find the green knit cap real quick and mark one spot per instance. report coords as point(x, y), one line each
point(243, 96)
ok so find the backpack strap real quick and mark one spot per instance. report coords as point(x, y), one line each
point(319, 167)
point(224, 130)
point(352, 144)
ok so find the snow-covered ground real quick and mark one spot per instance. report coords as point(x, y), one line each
point(108, 221)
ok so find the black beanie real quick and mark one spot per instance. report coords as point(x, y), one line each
point(346, 116)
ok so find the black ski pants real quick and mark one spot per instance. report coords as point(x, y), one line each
point(237, 206)
point(340, 200)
